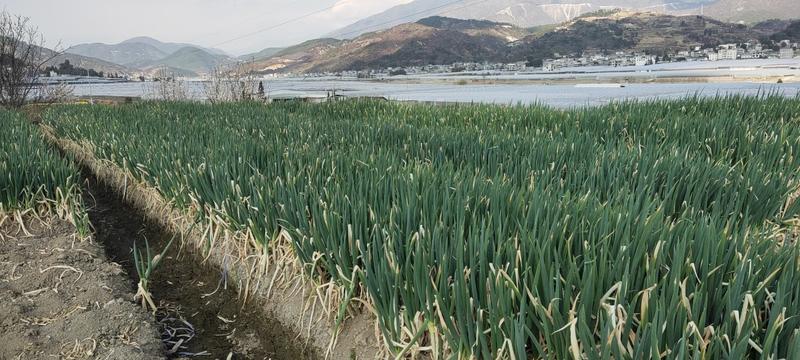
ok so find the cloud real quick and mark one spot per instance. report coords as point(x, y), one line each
point(356, 8)
point(204, 22)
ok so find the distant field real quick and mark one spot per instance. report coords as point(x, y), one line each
point(629, 231)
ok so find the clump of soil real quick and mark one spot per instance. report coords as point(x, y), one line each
point(61, 298)
point(199, 312)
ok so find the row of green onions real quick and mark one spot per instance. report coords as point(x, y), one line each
point(34, 179)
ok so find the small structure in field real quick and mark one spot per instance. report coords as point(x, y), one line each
point(786, 53)
point(299, 96)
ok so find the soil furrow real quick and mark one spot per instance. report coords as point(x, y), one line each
point(200, 313)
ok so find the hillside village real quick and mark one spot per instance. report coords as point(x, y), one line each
point(622, 39)
point(747, 51)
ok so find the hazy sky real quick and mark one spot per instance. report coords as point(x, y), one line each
point(202, 22)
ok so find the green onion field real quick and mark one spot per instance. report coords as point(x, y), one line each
point(662, 229)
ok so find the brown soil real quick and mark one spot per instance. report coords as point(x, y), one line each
point(197, 302)
point(61, 298)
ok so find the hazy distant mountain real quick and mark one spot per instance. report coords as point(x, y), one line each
point(128, 54)
point(527, 13)
point(146, 53)
point(167, 47)
point(188, 61)
point(263, 54)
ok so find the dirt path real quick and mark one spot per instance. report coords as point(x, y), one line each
point(197, 305)
point(61, 298)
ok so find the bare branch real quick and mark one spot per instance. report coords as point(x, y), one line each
point(230, 85)
point(53, 93)
point(22, 57)
point(167, 87)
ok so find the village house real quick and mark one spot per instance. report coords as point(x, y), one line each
point(728, 52)
point(786, 53)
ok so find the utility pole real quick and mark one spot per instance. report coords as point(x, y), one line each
point(91, 89)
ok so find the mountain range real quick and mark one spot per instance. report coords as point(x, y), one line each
point(149, 55)
point(640, 32)
point(527, 13)
point(473, 31)
point(440, 40)
point(434, 40)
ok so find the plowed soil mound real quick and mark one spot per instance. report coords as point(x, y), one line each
point(61, 298)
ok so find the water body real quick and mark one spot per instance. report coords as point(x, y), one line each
point(562, 89)
point(562, 96)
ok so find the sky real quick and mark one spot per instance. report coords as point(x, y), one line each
point(236, 26)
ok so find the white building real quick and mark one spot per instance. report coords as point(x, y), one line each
point(787, 53)
point(642, 60)
point(517, 66)
point(728, 54)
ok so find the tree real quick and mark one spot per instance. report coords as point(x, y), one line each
point(22, 57)
point(261, 89)
point(398, 72)
point(229, 84)
point(66, 68)
point(534, 61)
point(167, 87)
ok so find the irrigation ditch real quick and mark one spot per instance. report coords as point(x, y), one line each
point(209, 303)
point(199, 313)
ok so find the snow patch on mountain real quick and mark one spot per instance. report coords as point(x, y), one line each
point(565, 12)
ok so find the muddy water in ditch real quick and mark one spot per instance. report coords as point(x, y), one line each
point(195, 305)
